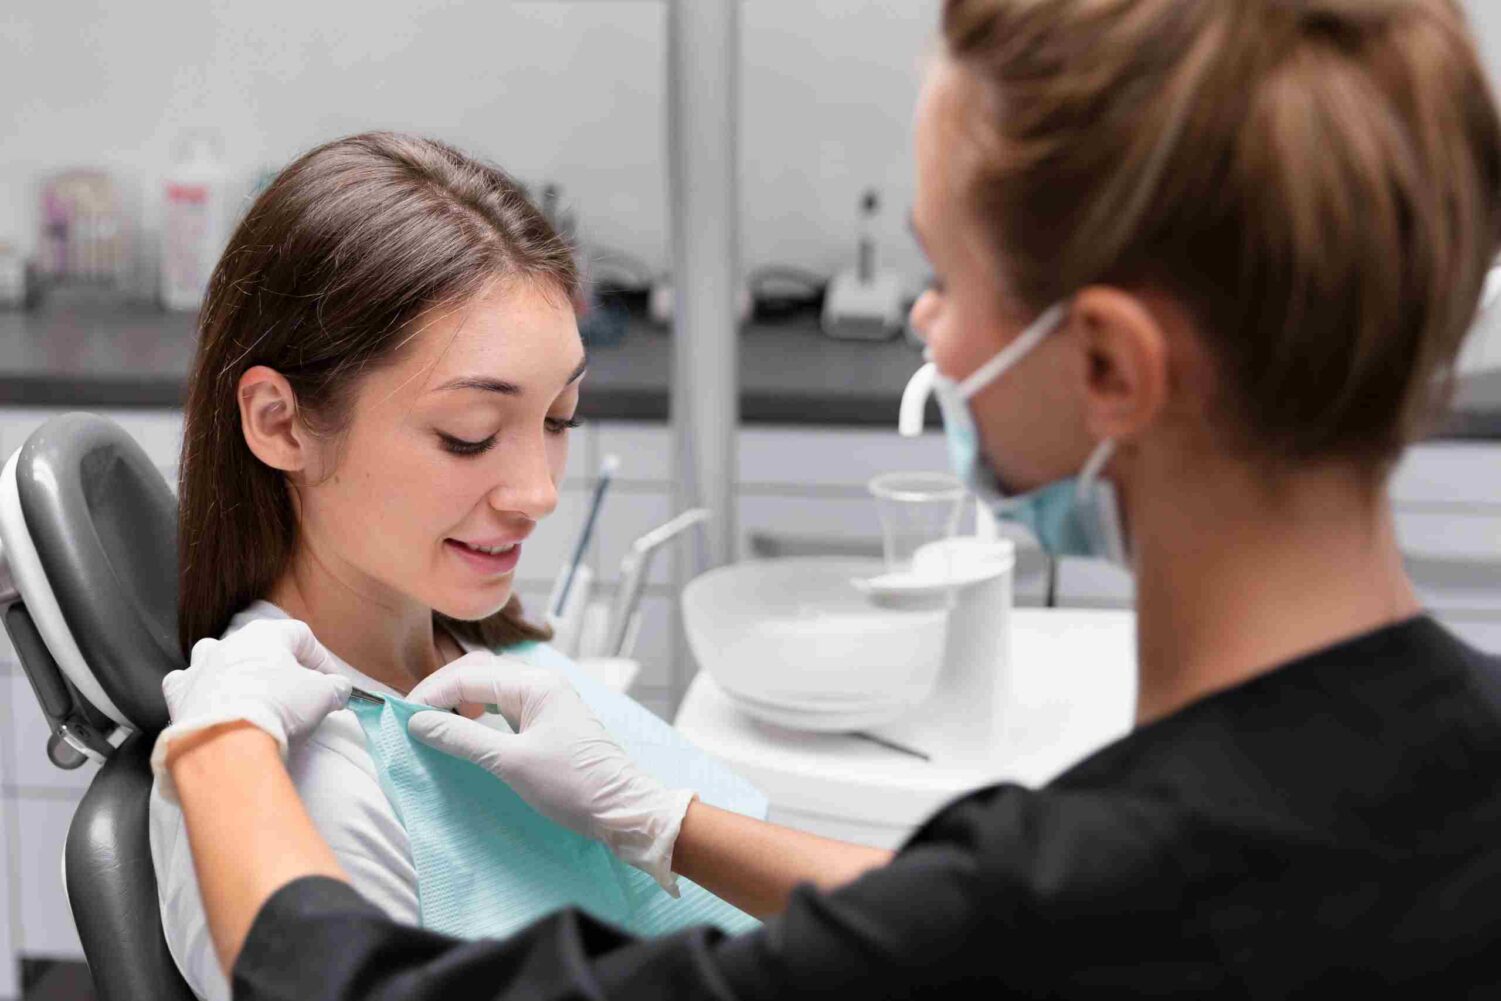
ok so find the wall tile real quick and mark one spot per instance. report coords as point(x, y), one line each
point(46, 928)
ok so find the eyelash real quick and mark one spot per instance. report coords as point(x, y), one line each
point(462, 447)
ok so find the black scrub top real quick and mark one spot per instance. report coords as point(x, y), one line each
point(1333, 823)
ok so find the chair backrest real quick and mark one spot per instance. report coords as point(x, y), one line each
point(88, 595)
point(112, 885)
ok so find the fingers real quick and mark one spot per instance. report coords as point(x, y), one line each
point(451, 684)
point(463, 738)
point(172, 687)
point(297, 638)
point(339, 689)
point(203, 648)
point(484, 677)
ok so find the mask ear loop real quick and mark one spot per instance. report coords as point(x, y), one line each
point(1094, 465)
point(1008, 356)
point(1090, 482)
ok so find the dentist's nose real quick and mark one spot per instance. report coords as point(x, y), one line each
point(922, 312)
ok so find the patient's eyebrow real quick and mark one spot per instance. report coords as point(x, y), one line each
point(500, 386)
point(481, 382)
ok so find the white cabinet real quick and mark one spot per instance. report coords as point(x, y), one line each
point(1446, 499)
point(46, 929)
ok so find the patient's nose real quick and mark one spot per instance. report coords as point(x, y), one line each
point(528, 487)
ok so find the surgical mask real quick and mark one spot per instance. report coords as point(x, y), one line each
point(1076, 516)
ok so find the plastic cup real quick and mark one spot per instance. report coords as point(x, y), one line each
point(916, 509)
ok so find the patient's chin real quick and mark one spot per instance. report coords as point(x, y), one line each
point(473, 608)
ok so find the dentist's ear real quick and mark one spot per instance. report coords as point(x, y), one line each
point(1126, 371)
point(269, 420)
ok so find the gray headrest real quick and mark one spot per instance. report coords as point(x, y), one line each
point(104, 524)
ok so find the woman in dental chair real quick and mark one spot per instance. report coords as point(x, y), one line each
point(378, 416)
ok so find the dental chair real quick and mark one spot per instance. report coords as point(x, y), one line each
point(88, 594)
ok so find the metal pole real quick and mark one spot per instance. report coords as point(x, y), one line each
point(703, 46)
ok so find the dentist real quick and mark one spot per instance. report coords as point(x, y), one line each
point(1201, 272)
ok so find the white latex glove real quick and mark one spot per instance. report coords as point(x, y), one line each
point(561, 760)
point(271, 674)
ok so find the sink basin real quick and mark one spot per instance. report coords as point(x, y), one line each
point(797, 634)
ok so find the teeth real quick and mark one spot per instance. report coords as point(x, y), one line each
point(491, 550)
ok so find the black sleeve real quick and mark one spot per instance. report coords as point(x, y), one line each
point(882, 936)
point(1008, 887)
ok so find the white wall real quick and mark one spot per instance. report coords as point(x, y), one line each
point(570, 92)
point(567, 91)
point(826, 102)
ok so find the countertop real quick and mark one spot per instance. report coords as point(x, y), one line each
point(89, 353)
point(86, 352)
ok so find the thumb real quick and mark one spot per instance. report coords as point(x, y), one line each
point(467, 679)
point(483, 677)
point(464, 738)
point(299, 638)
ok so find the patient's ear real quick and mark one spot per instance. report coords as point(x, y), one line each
point(269, 420)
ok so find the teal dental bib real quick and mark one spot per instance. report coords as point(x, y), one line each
point(488, 865)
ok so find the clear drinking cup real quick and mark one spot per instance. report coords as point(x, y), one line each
point(915, 509)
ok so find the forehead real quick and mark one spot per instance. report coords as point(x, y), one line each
point(945, 147)
point(516, 331)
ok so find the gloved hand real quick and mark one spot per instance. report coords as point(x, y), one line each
point(561, 760)
point(272, 674)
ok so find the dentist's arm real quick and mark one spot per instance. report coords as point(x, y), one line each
point(756, 865)
point(235, 883)
point(234, 712)
point(566, 765)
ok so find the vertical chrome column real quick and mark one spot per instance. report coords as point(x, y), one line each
point(703, 46)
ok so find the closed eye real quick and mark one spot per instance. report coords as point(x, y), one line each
point(461, 446)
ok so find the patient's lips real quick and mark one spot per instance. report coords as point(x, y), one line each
point(490, 557)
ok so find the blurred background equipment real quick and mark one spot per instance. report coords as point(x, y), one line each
point(14, 278)
point(865, 303)
point(196, 217)
point(82, 233)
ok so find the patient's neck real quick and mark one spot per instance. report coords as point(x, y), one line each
point(382, 634)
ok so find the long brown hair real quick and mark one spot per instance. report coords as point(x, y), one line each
point(324, 280)
point(1319, 181)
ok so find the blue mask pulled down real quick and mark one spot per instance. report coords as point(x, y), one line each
point(488, 865)
point(1076, 516)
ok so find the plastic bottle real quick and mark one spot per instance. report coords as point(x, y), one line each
point(194, 220)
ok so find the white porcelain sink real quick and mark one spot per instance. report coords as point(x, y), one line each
point(796, 633)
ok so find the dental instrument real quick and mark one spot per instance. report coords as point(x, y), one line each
point(368, 698)
point(625, 619)
point(865, 303)
point(607, 471)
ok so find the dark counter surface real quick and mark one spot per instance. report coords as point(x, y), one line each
point(87, 352)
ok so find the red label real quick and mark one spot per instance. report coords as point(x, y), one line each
point(195, 193)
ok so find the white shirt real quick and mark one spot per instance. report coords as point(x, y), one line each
point(336, 779)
